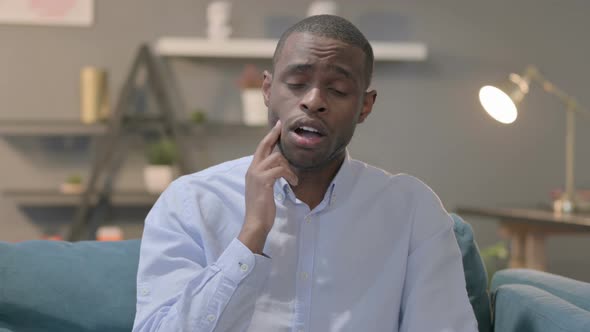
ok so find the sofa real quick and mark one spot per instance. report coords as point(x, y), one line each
point(90, 286)
point(528, 300)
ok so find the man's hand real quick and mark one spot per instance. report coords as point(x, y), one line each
point(267, 166)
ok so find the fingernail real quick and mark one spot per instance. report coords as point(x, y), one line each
point(278, 124)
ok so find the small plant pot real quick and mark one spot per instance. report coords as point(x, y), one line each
point(109, 233)
point(254, 111)
point(157, 177)
point(71, 188)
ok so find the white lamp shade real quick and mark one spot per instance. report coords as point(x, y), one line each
point(498, 104)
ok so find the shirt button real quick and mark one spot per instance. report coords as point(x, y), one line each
point(244, 267)
point(308, 219)
point(304, 275)
point(211, 317)
point(280, 196)
point(145, 291)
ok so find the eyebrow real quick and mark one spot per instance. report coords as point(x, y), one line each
point(342, 71)
point(300, 68)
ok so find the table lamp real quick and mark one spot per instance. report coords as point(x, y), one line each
point(502, 101)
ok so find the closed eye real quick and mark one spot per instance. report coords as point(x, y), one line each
point(338, 92)
point(295, 86)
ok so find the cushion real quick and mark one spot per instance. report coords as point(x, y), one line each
point(61, 286)
point(573, 291)
point(476, 277)
point(524, 308)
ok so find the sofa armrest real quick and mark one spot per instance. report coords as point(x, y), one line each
point(570, 290)
point(524, 308)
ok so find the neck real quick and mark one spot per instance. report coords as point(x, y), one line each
point(314, 183)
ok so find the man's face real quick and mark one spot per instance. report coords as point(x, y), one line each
point(318, 91)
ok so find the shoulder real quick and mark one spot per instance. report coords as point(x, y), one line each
point(404, 192)
point(233, 167)
point(217, 181)
point(227, 173)
point(411, 186)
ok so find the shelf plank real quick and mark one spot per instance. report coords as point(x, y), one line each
point(263, 49)
point(49, 128)
point(54, 197)
point(40, 128)
point(224, 129)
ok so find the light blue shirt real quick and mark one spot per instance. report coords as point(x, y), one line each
point(378, 254)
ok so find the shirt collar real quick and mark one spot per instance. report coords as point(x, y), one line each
point(340, 186)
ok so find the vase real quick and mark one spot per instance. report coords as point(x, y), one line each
point(157, 177)
point(254, 112)
point(94, 95)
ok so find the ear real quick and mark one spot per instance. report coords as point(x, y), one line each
point(266, 83)
point(368, 102)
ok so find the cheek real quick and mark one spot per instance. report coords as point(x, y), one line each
point(272, 117)
point(282, 103)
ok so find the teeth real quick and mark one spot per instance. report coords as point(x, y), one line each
point(309, 129)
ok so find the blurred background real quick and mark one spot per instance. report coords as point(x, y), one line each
point(427, 120)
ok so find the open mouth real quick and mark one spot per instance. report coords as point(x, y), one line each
point(306, 131)
point(307, 136)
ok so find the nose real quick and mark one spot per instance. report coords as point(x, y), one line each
point(313, 101)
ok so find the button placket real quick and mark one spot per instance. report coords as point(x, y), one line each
point(307, 248)
point(280, 197)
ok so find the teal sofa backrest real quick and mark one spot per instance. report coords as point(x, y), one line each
point(61, 286)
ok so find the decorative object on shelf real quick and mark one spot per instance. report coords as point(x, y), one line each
point(218, 15)
point(72, 185)
point(322, 8)
point(47, 12)
point(52, 237)
point(160, 172)
point(94, 95)
point(501, 103)
point(582, 198)
point(254, 112)
point(198, 116)
point(109, 233)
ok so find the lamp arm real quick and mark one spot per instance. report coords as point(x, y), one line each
point(572, 108)
point(571, 103)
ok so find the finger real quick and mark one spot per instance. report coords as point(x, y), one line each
point(268, 143)
point(274, 159)
point(282, 172)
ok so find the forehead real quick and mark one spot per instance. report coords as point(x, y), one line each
point(307, 48)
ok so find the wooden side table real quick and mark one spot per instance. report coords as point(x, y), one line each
point(527, 230)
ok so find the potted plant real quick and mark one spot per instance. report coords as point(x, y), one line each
point(72, 185)
point(494, 258)
point(159, 172)
point(198, 116)
point(254, 112)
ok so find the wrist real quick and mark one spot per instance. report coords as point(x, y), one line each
point(253, 237)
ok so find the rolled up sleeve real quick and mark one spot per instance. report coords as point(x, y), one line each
point(176, 289)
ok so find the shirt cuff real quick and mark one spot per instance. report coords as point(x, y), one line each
point(237, 262)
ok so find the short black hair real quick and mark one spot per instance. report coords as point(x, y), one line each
point(334, 27)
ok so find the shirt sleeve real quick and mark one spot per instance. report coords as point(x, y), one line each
point(435, 296)
point(176, 289)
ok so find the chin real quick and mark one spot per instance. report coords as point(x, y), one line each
point(305, 159)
